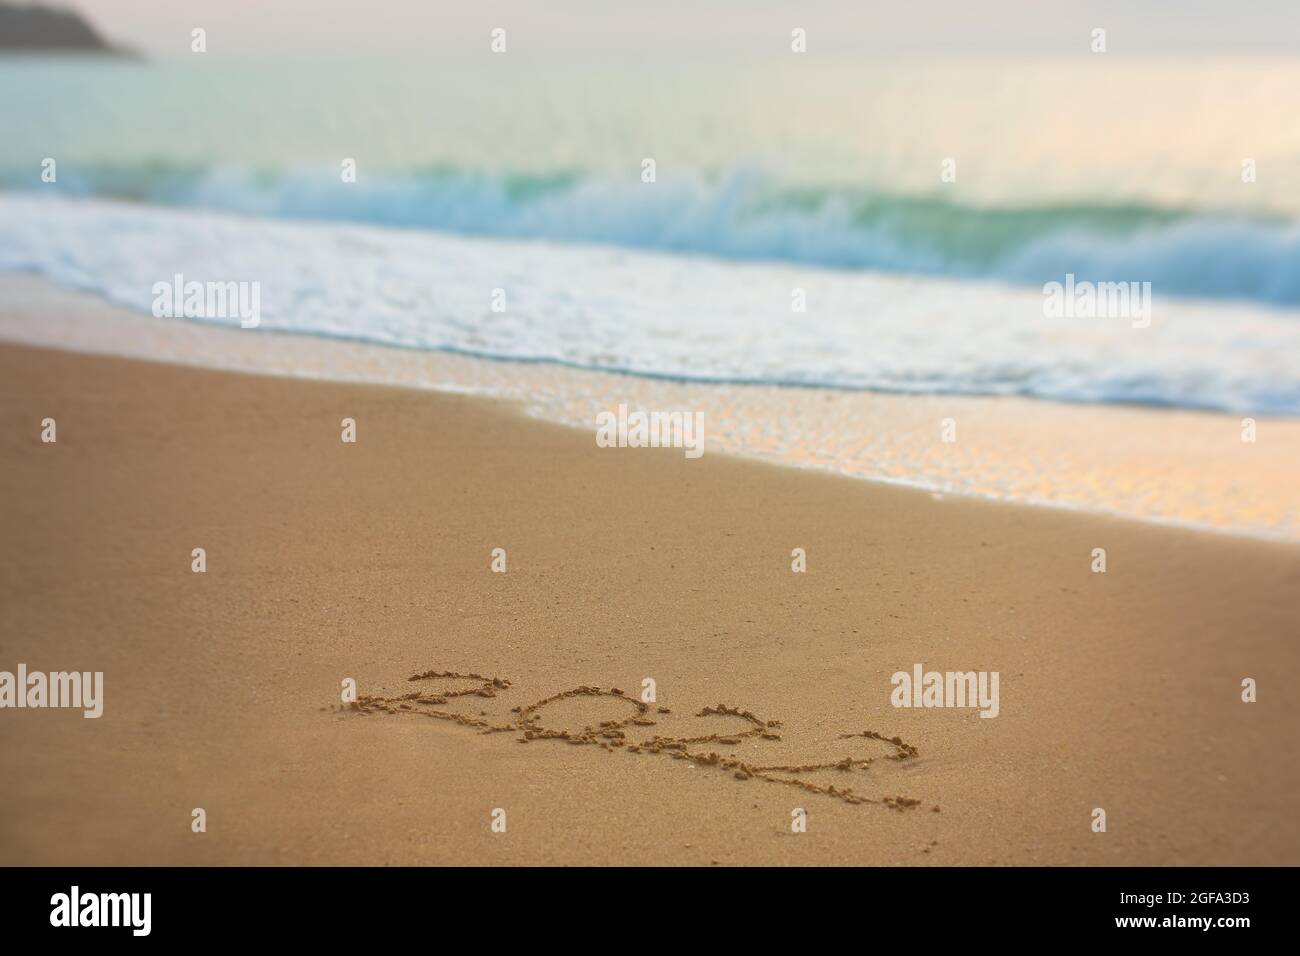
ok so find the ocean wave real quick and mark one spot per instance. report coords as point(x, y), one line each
point(746, 214)
point(650, 314)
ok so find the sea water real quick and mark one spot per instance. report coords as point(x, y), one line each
point(798, 229)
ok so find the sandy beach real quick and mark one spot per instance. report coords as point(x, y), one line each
point(372, 561)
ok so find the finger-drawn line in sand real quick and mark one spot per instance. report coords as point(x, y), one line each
point(612, 734)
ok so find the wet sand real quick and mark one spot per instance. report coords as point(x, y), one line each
point(1176, 466)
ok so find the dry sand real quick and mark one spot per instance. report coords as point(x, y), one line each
point(371, 560)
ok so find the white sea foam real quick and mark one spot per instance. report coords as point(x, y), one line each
point(665, 315)
point(751, 214)
point(1163, 465)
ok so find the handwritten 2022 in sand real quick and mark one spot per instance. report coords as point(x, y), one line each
point(637, 732)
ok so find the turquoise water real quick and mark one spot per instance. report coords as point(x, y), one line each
point(1108, 169)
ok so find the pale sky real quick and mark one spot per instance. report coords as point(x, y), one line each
point(699, 27)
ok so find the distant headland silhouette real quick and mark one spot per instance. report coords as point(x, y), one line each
point(28, 28)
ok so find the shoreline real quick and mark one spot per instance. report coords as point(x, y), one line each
point(327, 561)
point(1165, 466)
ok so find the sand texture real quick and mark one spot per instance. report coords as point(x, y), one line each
point(372, 561)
